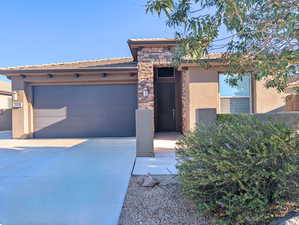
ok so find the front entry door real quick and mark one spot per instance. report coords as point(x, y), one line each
point(166, 111)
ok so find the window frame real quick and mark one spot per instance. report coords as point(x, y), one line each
point(250, 94)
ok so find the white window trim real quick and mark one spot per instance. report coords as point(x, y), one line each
point(250, 92)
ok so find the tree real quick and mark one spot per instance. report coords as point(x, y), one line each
point(262, 34)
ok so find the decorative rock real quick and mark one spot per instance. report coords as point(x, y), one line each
point(149, 181)
point(290, 219)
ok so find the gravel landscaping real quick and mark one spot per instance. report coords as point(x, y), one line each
point(162, 205)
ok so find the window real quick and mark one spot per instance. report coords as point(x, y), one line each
point(235, 99)
point(166, 72)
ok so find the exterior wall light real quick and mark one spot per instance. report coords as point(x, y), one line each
point(15, 96)
point(145, 92)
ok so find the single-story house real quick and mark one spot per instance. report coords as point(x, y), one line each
point(5, 106)
point(99, 97)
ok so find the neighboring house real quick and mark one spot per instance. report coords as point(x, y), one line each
point(5, 106)
point(5, 95)
point(99, 97)
point(294, 83)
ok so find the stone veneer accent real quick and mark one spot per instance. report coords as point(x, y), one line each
point(148, 59)
point(185, 100)
point(145, 81)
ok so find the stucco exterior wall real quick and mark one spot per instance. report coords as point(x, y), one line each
point(203, 91)
point(268, 100)
point(5, 102)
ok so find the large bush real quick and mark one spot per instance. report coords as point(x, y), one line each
point(241, 170)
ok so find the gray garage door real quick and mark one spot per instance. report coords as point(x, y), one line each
point(84, 111)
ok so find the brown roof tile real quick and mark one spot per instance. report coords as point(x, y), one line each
point(88, 64)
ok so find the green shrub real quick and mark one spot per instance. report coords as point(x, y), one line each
point(240, 170)
point(227, 117)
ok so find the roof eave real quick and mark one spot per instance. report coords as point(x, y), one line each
point(135, 44)
point(213, 62)
point(5, 93)
point(80, 70)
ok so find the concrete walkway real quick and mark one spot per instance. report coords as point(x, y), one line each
point(164, 162)
point(64, 181)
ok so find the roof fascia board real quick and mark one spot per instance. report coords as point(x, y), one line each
point(24, 71)
point(134, 44)
point(5, 93)
point(153, 42)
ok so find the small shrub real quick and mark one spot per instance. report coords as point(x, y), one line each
point(221, 118)
point(240, 170)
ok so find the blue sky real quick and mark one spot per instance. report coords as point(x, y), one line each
point(35, 32)
point(49, 31)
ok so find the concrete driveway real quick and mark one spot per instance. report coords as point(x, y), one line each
point(64, 181)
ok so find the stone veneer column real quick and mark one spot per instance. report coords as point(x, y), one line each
point(185, 101)
point(146, 84)
point(147, 59)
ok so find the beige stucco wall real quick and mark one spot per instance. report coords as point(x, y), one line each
point(203, 92)
point(5, 102)
point(268, 99)
point(20, 116)
point(5, 99)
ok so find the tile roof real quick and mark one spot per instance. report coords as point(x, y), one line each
point(125, 62)
point(217, 55)
point(152, 39)
point(110, 63)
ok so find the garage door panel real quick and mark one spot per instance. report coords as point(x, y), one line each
point(121, 109)
point(77, 122)
point(84, 111)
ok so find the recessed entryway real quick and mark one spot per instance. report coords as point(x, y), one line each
point(167, 100)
